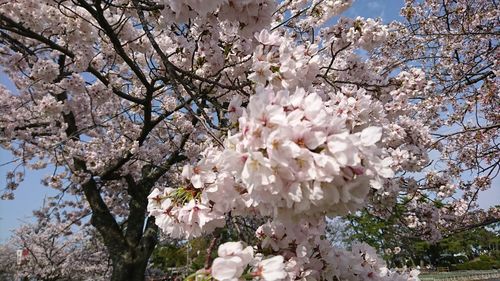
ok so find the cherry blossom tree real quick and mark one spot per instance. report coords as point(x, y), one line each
point(454, 43)
point(183, 115)
point(7, 262)
point(59, 250)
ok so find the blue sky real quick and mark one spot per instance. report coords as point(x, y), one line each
point(388, 10)
point(31, 193)
point(29, 197)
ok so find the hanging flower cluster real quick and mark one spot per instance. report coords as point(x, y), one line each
point(292, 156)
point(294, 160)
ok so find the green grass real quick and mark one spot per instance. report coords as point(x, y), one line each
point(466, 275)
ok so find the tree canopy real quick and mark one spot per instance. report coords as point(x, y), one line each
point(193, 116)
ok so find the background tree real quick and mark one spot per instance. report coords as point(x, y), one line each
point(454, 43)
point(60, 250)
point(401, 246)
point(7, 262)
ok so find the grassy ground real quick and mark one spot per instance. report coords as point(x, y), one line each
point(466, 275)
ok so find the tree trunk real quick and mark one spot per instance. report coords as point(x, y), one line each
point(126, 270)
point(130, 262)
point(130, 258)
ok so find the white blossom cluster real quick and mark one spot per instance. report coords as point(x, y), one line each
point(251, 15)
point(237, 262)
point(368, 32)
point(278, 61)
point(234, 259)
point(287, 160)
point(300, 153)
point(293, 159)
point(310, 256)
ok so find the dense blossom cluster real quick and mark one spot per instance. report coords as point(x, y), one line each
point(293, 159)
point(248, 15)
point(236, 262)
point(277, 61)
point(293, 156)
point(299, 152)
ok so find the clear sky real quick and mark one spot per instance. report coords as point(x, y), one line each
point(29, 197)
point(31, 193)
